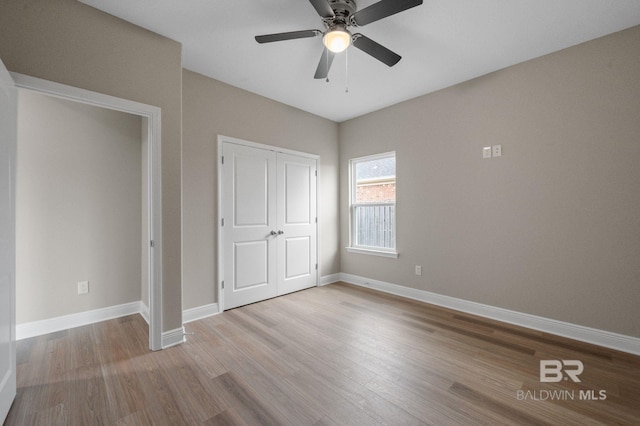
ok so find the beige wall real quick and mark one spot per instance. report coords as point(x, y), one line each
point(552, 227)
point(71, 43)
point(78, 207)
point(211, 108)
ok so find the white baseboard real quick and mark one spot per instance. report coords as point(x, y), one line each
point(193, 314)
point(173, 337)
point(607, 339)
point(65, 322)
point(329, 279)
point(144, 312)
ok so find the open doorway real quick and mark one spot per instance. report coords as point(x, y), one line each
point(91, 168)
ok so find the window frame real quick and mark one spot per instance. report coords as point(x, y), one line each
point(362, 249)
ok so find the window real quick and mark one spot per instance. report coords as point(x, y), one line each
point(373, 204)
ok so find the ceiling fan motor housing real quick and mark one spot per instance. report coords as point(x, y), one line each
point(342, 9)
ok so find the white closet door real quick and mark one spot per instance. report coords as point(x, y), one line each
point(8, 124)
point(269, 235)
point(296, 241)
point(249, 230)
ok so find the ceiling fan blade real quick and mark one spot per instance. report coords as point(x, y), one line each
point(268, 38)
point(325, 64)
point(382, 9)
point(376, 50)
point(323, 8)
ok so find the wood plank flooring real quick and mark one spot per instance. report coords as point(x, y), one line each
point(334, 355)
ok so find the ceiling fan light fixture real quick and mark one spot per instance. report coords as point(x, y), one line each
point(337, 40)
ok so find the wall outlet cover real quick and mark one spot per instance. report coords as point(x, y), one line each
point(486, 152)
point(83, 287)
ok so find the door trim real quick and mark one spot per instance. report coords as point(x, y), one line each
point(8, 139)
point(154, 177)
point(220, 258)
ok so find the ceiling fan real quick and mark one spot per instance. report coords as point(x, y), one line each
point(338, 16)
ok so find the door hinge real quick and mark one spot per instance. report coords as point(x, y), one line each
point(316, 220)
point(222, 222)
point(316, 266)
point(316, 173)
point(223, 285)
point(151, 244)
point(223, 159)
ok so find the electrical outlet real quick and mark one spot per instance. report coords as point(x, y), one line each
point(83, 287)
point(497, 151)
point(486, 152)
point(418, 270)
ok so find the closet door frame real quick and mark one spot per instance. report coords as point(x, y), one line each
point(220, 273)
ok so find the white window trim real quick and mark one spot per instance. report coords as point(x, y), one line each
point(373, 251)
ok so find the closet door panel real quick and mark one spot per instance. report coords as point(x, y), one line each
point(297, 245)
point(249, 211)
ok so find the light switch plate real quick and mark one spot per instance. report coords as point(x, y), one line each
point(486, 152)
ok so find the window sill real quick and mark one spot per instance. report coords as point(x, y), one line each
point(390, 254)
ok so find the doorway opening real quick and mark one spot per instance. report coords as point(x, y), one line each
point(111, 170)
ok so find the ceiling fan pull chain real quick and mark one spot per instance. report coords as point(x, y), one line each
point(346, 71)
point(327, 53)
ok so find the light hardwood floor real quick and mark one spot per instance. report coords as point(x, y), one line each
point(332, 355)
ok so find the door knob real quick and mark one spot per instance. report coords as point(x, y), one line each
point(280, 232)
point(273, 233)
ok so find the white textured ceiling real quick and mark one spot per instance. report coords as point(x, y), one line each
point(442, 43)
